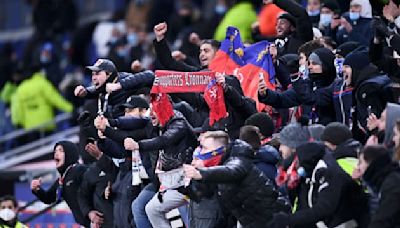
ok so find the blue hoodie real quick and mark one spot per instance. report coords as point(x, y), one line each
point(266, 159)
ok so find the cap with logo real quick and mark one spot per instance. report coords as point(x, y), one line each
point(103, 65)
point(135, 102)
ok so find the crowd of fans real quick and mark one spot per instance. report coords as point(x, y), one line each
point(324, 152)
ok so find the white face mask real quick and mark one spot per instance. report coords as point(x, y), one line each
point(7, 214)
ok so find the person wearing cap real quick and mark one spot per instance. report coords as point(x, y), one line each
point(294, 28)
point(339, 139)
point(356, 24)
point(112, 133)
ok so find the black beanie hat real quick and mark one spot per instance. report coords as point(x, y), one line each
point(336, 133)
point(71, 154)
point(357, 60)
point(291, 61)
point(332, 5)
point(263, 121)
point(345, 48)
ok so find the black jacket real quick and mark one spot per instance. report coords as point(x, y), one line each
point(332, 196)
point(243, 189)
point(71, 184)
point(383, 177)
point(177, 138)
point(303, 31)
point(91, 192)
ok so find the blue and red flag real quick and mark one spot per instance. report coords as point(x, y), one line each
point(229, 56)
point(259, 64)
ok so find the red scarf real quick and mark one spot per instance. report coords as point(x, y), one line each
point(186, 82)
point(289, 176)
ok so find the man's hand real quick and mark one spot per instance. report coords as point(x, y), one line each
point(178, 55)
point(346, 25)
point(372, 141)
point(192, 172)
point(160, 30)
point(391, 11)
point(96, 217)
point(101, 134)
point(262, 87)
point(131, 144)
point(372, 122)
point(136, 66)
point(80, 91)
point(94, 150)
point(100, 123)
point(356, 175)
point(335, 23)
point(107, 191)
point(112, 87)
point(194, 38)
point(220, 78)
point(35, 184)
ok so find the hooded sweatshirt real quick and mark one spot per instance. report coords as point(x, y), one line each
point(71, 178)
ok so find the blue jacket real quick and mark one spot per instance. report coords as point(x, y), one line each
point(361, 31)
point(266, 159)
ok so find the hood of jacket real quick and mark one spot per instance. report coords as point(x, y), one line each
point(366, 73)
point(309, 154)
point(350, 148)
point(378, 170)
point(392, 115)
point(267, 154)
point(71, 155)
point(238, 148)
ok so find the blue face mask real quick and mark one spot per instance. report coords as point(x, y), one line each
point(313, 13)
point(325, 19)
point(132, 38)
point(354, 16)
point(301, 172)
point(220, 9)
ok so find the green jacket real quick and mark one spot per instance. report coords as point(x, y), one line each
point(34, 101)
point(240, 16)
point(7, 92)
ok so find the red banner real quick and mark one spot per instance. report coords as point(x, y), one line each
point(181, 82)
point(186, 82)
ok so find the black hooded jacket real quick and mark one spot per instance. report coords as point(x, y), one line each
point(242, 188)
point(383, 176)
point(71, 183)
point(91, 192)
point(332, 196)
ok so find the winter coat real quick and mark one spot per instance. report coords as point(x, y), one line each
point(177, 138)
point(71, 184)
point(384, 62)
point(91, 192)
point(242, 188)
point(383, 176)
point(122, 191)
point(336, 96)
point(333, 198)
point(266, 160)
point(303, 31)
point(34, 101)
point(371, 89)
point(361, 31)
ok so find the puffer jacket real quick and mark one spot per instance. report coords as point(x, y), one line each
point(266, 160)
point(243, 189)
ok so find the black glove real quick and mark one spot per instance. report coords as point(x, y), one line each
point(381, 29)
point(280, 220)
